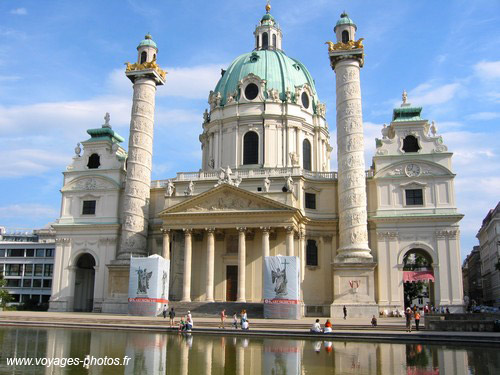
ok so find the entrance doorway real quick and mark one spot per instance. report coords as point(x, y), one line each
point(418, 279)
point(84, 283)
point(231, 283)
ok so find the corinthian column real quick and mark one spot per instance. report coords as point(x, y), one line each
point(242, 256)
point(186, 284)
point(166, 244)
point(210, 265)
point(350, 154)
point(289, 242)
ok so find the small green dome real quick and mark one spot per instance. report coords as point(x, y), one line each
point(148, 41)
point(345, 20)
point(281, 73)
point(267, 17)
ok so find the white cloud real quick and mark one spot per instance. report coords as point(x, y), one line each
point(19, 11)
point(483, 116)
point(9, 78)
point(31, 162)
point(28, 209)
point(488, 69)
point(428, 94)
point(192, 82)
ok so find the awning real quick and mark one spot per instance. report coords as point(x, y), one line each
point(415, 276)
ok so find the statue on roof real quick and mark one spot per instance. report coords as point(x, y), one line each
point(405, 96)
point(107, 117)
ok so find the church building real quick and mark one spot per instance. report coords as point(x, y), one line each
point(364, 236)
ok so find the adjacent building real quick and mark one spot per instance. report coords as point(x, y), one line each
point(473, 281)
point(27, 264)
point(264, 188)
point(489, 247)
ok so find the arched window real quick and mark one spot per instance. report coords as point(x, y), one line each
point(251, 148)
point(94, 161)
point(306, 154)
point(311, 253)
point(257, 41)
point(154, 57)
point(274, 41)
point(251, 91)
point(144, 57)
point(345, 36)
point(410, 144)
point(265, 41)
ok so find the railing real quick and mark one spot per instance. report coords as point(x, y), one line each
point(248, 173)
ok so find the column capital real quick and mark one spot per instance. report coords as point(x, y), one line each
point(210, 230)
point(241, 229)
point(187, 231)
point(165, 230)
point(289, 229)
point(265, 229)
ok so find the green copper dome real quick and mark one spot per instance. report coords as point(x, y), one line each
point(148, 41)
point(345, 20)
point(280, 72)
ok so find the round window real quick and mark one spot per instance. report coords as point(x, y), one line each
point(305, 100)
point(251, 91)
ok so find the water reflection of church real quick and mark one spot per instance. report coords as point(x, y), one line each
point(264, 188)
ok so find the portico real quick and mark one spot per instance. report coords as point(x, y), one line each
point(221, 233)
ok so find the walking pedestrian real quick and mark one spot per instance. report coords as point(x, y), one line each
point(222, 318)
point(417, 320)
point(345, 312)
point(171, 314)
point(408, 315)
point(165, 309)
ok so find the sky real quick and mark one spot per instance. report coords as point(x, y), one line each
point(61, 70)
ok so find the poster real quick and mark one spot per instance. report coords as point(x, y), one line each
point(282, 287)
point(148, 285)
point(282, 357)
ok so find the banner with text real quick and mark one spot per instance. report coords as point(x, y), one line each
point(148, 285)
point(282, 287)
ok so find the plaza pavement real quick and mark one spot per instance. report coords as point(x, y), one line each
point(388, 329)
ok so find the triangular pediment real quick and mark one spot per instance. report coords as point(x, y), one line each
point(226, 198)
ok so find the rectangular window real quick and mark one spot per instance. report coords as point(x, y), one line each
point(45, 298)
point(13, 283)
point(2, 252)
point(28, 269)
point(88, 208)
point(311, 253)
point(1, 270)
point(37, 283)
point(27, 283)
point(414, 197)
point(15, 298)
point(15, 252)
point(49, 253)
point(40, 253)
point(47, 283)
point(48, 270)
point(25, 298)
point(13, 269)
point(30, 252)
point(38, 269)
point(310, 199)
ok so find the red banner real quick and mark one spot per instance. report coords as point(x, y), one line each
point(415, 276)
point(282, 301)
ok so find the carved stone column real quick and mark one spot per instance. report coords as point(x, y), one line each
point(289, 242)
point(186, 285)
point(351, 164)
point(241, 264)
point(139, 163)
point(210, 264)
point(166, 244)
point(302, 252)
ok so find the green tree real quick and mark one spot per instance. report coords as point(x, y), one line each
point(5, 297)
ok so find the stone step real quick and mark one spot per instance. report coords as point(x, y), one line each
point(213, 309)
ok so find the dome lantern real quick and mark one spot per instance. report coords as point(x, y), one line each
point(345, 29)
point(147, 50)
point(268, 33)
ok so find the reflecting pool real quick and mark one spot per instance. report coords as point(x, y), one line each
point(79, 351)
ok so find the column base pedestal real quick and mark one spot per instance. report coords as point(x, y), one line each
point(116, 301)
point(354, 288)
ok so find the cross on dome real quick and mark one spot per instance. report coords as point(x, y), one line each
point(268, 6)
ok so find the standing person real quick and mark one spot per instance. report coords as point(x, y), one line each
point(345, 312)
point(171, 314)
point(374, 321)
point(244, 317)
point(235, 321)
point(417, 319)
point(165, 309)
point(222, 318)
point(408, 315)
